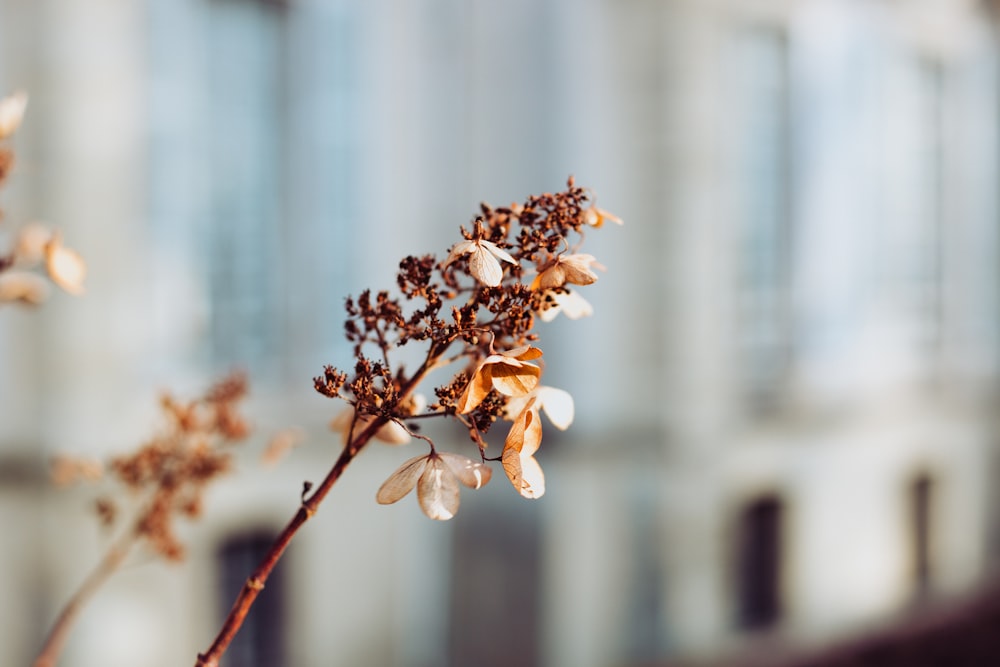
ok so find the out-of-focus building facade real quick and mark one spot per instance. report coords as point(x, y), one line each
point(786, 400)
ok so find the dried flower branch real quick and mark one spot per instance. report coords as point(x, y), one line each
point(35, 245)
point(164, 479)
point(477, 310)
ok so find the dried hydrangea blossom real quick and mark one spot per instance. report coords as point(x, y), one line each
point(161, 481)
point(35, 244)
point(476, 309)
point(474, 312)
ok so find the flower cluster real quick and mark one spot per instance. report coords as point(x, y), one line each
point(477, 308)
point(35, 245)
point(169, 473)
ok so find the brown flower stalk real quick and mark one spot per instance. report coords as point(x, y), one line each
point(478, 308)
point(167, 476)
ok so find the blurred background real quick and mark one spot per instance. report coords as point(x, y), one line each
point(787, 419)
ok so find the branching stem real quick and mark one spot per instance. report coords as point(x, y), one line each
point(256, 581)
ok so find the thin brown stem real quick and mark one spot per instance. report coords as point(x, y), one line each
point(56, 639)
point(255, 582)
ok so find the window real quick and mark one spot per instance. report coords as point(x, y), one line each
point(764, 233)
point(253, 156)
point(758, 564)
point(246, 93)
point(260, 642)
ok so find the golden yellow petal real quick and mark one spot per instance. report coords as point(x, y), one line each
point(475, 391)
point(512, 380)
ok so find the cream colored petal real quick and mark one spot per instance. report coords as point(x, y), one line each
point(557, 405)
point(512, 380)
point(476, 390)
point(554, 276)
point(498, 252)
point(474, 474)
point(29, 288)
point(484, 267)
point(532, 478)
point(437, 490)
point(12, 110)
point(402, 480)
point(514, 406)
point(549, 312)
point(29, 249)
point(393, 434)
point(65, 267)
point(459, 249)
point(572, 305)
point(577, 270)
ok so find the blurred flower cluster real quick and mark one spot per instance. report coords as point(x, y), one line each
point(35, 245)
point(478, 308)
point(167, 475)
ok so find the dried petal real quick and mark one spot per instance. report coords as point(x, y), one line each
point(484, 267)
point(557, 405)
point(514, 380)
point(498, 252)
point(483, 260)
point(23, 286)
point(596, 217)
point(476, 390)
point(437, 490)
point(12, 110)
point(474, 474)
point(532, 478)
point(29, 249)
point(65, 267)
point(459, 249)
point(569, 303)
point(402, 481)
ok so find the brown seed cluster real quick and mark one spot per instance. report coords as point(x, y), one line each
point(167, 476)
